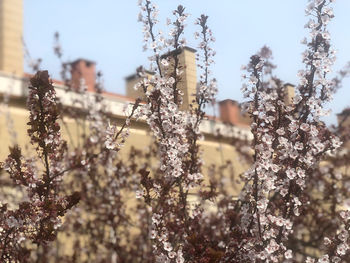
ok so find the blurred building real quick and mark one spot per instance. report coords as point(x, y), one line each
point(218, 131)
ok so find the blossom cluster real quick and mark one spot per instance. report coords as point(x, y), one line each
point(289, 140)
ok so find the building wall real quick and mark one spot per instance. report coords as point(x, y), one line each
point(14, 119)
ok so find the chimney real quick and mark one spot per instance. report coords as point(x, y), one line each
point(344, 126)
point(188, 82)
point(344, 118)
point(11, 32)
point(289, 93)
point(83, 71)
point(131, 81)
point(188, 78)
point(230, 112)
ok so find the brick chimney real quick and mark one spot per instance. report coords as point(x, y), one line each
point(188, 82)
point(131, 81)
point(230, 112)
point(188, 79)
point(289, 93)
point(83, 71)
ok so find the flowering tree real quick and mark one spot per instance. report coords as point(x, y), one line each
point(292, 204)
point(38, 217)
point(285, 172)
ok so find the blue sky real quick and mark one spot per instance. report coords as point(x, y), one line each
point(107, 32)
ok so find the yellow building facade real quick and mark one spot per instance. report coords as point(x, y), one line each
point(14, 89)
